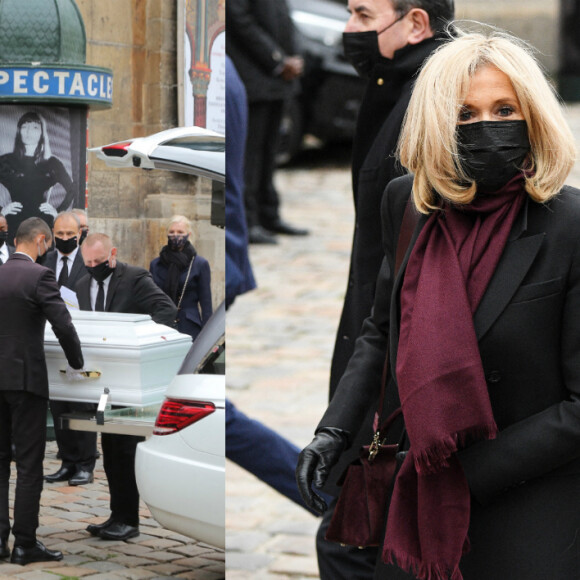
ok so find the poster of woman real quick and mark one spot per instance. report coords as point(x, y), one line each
point(42, 162)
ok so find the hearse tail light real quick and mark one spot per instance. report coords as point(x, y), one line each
point(175, 415)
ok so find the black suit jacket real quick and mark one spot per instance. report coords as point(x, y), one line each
point(131, 290)
point(260, 35)
point(29, 296)
point(76, 271)
point(526, 480)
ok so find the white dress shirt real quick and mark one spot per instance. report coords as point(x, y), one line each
point(25, 254)
point(4, 255)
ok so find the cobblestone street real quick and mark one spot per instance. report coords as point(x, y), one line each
point(280, 340)
point(66, 511)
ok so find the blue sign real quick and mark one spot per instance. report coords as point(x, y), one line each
point(85, 85)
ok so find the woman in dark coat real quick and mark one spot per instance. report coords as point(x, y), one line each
point(185, 277)
point(482, 326)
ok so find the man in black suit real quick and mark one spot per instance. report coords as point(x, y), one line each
point(78, 449)
point(5, 250)
point(261, 43)
point(29, 296)
point(113, 286)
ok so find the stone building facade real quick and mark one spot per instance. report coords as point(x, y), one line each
point(535, 21)
point(137, 39)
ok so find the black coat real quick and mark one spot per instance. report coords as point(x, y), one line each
point(374, 166)
point(525, 483)
point(131, 290)
point(260, 35)
point(196, 307)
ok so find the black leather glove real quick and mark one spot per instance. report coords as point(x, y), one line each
point(314, 463)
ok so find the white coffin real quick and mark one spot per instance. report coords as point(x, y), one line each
point(136, 357)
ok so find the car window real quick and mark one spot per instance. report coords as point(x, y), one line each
point(215, 362)
point(210, 361)
point(216, 144)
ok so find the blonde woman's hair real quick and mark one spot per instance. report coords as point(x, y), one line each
point(428, 142)
point(181, 219)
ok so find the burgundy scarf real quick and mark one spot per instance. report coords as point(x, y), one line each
point(441, 382)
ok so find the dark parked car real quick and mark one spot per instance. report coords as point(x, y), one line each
point(331, 90)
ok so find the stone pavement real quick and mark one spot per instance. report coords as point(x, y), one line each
point(65, 513)
point(280, 341)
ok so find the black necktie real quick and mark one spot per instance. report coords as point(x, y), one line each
point(63, 276)
point(100, 301)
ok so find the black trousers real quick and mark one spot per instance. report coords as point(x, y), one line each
point(78, 449)
point(22, 422)
point(260, 195)
point(119, 463)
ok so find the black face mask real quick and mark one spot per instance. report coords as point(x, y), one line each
point(3, 238)
point(177, 243)
point(65, 246)
point(361, 49)
point(492, 152)
point(84, 234)
point(101, 271)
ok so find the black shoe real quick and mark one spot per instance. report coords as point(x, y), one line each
point(62, 474)
point(81, 478)
point(118, 531)
point(38, 553)
point(258, 235)
point(281, 227)
point(4, 549)
point(96, 529)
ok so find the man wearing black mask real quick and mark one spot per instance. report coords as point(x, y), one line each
point(5, 250)
point(77, 449)
point(386, 41)
point(113, 286)
point(66, 260)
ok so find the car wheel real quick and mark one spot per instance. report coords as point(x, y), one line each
point(291, 132)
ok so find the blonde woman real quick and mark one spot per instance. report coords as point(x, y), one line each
point(482, 321)
point(184, 276)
